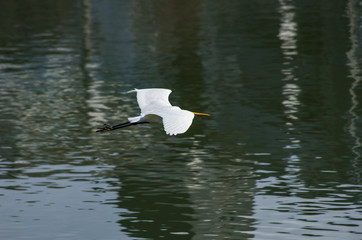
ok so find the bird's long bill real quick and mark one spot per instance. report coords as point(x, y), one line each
point(201, 114)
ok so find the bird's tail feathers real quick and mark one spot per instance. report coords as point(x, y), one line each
point(131, 91)
point(134, 119)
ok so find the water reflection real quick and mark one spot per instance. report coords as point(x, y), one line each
point(88, 66)
point(309, 204)
point(151, 209)
point(291, 90)
point(280, 155)
point(355, 30)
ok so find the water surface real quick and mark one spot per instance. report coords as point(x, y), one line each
point(279, 158)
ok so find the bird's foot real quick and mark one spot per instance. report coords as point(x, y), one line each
point(106, 127)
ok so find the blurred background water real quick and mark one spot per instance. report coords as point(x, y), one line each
point(279, 158)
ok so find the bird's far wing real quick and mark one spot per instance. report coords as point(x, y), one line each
point(175, 120)
point(152, 98)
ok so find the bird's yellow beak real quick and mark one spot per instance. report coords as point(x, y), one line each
point(201, 114)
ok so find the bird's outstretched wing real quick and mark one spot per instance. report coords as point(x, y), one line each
point(175, 120)
point(151, 98)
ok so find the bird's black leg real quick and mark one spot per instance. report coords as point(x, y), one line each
point(107, 127)
point(122, 125)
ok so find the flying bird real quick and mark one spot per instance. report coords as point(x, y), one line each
point(155, 107)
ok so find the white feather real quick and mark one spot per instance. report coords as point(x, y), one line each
point(152, 98)
point(175, 120)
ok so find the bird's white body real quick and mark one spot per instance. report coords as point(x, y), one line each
point(155, 106)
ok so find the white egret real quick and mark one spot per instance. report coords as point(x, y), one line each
point(155, 107)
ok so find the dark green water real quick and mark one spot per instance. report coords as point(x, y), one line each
point(279, 158)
